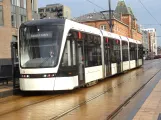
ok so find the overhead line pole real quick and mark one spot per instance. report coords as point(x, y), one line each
point(110, 16)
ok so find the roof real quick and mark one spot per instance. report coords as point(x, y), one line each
point(121, 8)
point(96, 16)
point(131, 12)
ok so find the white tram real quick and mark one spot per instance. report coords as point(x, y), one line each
point(58, 54)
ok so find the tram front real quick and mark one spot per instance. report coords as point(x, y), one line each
point(39, 48)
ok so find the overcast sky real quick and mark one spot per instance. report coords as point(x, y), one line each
point(80, 7)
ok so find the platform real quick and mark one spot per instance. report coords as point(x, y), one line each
point(151, 109)
point(6, 89)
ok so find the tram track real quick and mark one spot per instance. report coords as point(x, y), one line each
point(104, 92)
point(115, 112)
point(3, 100)
point(30, 104)
point(46, 98)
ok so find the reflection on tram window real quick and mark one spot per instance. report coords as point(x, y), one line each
point(92, 48)
point(140, 51)
point(133, 51)
point(124, 51)
point(69, 54)
point(114, 49)
point(40, 45)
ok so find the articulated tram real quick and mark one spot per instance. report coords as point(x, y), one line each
point(60, 54)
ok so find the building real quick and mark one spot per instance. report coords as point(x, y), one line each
point(159, 50)
point(123, 20)
point(153, 40)
point(55, 11)
point(145, 41)
point(12, 14)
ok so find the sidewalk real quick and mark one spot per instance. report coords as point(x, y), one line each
point(151, 108)
point(6, 89)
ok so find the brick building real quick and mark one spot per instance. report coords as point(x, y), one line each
point(12, 14)
point(123, 20)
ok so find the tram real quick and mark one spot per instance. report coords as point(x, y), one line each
point(60, 54)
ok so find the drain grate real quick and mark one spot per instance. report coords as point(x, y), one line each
point(159, 117)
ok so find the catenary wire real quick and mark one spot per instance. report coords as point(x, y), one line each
point(95, 4)
point(149, 12)
point(100, 12)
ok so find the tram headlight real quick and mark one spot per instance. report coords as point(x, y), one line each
point(27, 76)
point(44, 76)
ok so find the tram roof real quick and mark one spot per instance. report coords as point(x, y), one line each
point(139, 42)
point(45, 22)
point(110, 35)
point(132, 40)
point(124, 38)
point(82, 27)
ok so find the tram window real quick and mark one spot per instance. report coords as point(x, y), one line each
point(69, 55)
point(65, 58)
point(92, 50)
point(140, 51)
point(125, 51)
point(133, 52)
point(74, 52)
point(114, 50)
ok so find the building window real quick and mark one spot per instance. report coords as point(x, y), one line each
point(13, 20)
point(20, 3)
point(14, 2)
point(22, 19)
point(14, 38)
point(1, 15)
point(103, 27)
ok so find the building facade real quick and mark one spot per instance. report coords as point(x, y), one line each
point(12, 14)
point(123, 20)
point(55, 11)
point(145, 41)
point(152, 40)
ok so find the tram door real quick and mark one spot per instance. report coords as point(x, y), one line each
point(119, 64)
point(118, 56)
point(107, 58)
point(80, 59)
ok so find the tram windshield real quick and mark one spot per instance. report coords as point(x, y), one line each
point(40, 45)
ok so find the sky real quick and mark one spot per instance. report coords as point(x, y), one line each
point(81, 7)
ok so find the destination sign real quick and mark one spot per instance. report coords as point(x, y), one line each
point(40, 35)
